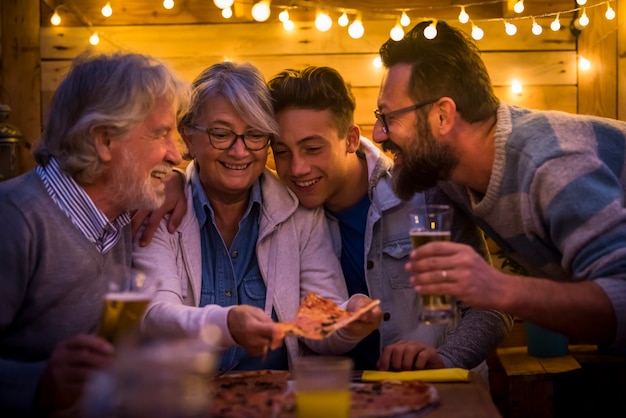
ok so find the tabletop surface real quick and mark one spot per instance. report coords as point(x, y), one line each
point(456, 399)
point(464, 399)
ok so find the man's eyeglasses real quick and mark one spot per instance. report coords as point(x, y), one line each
point(222, 138)
point(382, 117)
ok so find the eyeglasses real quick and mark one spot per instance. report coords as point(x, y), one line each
point(382, 117)
point(222, 138)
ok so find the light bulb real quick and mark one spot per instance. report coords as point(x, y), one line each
point(356, 29)
point(610, 13)
point(261, 11)
point(396, 33)
point(584, 19)
point(223, 4)
point(377, 62)
point(227, 12)
point(55, 19)
point(516, 86)
point(536, 29)
point(556, 24)
point(94, 39)
point(107, 11)
point(583, 63)
point(283, 16)
point(323, 22)
point(404, 19)
point(168, 4)
point(581, 2)
point(430, 31)
point(510, 28)
point(288, 25)
point(343, 20)
point(477, 33)
point(463, 16)
point(519, 6)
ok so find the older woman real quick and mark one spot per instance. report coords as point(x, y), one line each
point(245, 253)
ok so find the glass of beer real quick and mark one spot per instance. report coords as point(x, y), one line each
point(124, 306)
point(433, 223)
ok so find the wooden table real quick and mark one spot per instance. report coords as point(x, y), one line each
point(464, 399)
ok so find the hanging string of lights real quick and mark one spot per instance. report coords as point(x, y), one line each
point(262, 10)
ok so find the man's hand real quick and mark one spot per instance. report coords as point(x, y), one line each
point(175, 205)
point(409, 355)
point(71, 364)
point(367, 322)
point(252, 329)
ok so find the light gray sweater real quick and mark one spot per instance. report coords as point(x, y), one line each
point(52, 283)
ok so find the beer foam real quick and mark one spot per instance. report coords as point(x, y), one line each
point(127, 296)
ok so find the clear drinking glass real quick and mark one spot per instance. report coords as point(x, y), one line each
point(433, 223)
point(323, 386)
point(164, 378)
point(124, 305)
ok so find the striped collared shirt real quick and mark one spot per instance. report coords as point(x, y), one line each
point(79, 207)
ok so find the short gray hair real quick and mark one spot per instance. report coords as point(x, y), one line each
point(243, 86)
point(115, 90)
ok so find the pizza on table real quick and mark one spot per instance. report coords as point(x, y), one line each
point(267, 393)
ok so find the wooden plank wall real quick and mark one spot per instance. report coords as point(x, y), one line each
point(546, 64)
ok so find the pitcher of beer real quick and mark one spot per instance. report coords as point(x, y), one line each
point(124, 306)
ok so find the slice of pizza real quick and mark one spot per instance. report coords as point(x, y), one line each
point(317, 318)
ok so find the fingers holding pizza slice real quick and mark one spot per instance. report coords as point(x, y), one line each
point(318, 318)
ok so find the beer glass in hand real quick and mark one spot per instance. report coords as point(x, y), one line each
point(432, 223)
point(124, 306)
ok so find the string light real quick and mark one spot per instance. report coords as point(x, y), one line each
point(583, 63)
point(404, 19)
point(343, 20)
point(477, 33)
point(510, 28)
point(323, 22)
point(261, 11)
point(463, 16)
point(556, 24)
point(610, 13)
point(584, 19)
point(94, 39)
point(516, 86)
point(223, 4)
point(581, 2)
point(107, 11)
point(356, 29)
point(168, 4)
point(536, 28)
point(227, 12)
point(396, 33)
point(518, 7)
point(283, 16)
point(430, 31)
point(55, 19)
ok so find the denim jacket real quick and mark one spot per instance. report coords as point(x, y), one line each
point(465, 343)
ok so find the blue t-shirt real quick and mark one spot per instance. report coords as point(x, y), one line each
point(352, 223)
point(232, 276)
